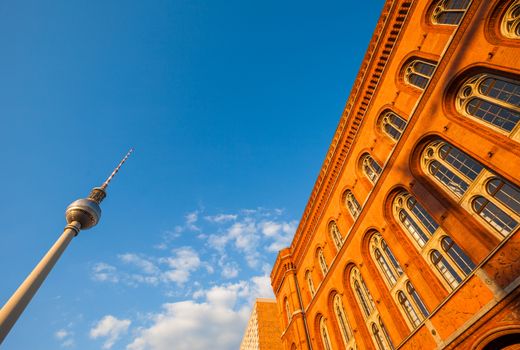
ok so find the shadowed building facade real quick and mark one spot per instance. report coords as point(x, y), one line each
point(410, 236)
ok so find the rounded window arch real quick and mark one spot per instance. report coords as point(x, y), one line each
point(325, 337)
point(335, 234)
point(322, 262)
point(417, 72)
point(342, 321)
point(492, 100)
point(385, 260)
point(288, 312)
point(352, 204)
point(449, 12)
point(510, 23)
point(462, 177)
point(370, 167)
point(310, 283)
point(369, 310)
point(391, 124)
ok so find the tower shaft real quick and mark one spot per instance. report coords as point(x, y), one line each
point(23, 295)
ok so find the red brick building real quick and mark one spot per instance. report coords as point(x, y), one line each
point(410, 236)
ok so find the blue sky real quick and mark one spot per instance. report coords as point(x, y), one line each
point(230, 105)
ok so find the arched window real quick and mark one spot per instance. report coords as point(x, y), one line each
point(491, 99)
point(288, 311)
point(418, 73)
point(408, 309)
point(378, 337)
point(385, 259)
point(392, 125)
point(510, 25)
point(371, 168)
point(352, 204)
point(381, 338)
point(447, 271)
point(308, 277)
point(449, 11)
point(417, 299)
point(336, 235)
point(323, 262)
point(341, 318)
point(422, 228)
point(457, 255)
point(498, 206)
point(362, 294)
point(325, 338)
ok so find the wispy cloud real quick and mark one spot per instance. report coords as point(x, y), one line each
point(221, 218)
point(110, 328)
point(65, 337)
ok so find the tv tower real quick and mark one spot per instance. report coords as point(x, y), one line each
point(81, 214)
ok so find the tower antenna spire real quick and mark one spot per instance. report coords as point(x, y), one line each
point(81, 214)
point(107, 181)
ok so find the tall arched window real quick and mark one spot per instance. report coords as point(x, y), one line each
point(418, 73)
point(491, 99)
point(449, 11)
point(310, 283)
point(352, 204)
point(426, 233)
point(371, 168)
point(417, 299)
point(397, 281)
point(392, 125)
point(385, 259)
point(370, 312)
point(498, 206)
point(362, 294)
point(510, 25)
point(341, 318)
point(325, 337)
point(336, 235)
point(323, 262)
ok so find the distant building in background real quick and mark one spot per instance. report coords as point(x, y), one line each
point(410, 236)
point(263, 329)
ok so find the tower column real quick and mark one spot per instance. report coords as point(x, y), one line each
point(23, 295)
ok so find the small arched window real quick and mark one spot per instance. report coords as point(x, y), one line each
point(510, 25)
point(408, 309)
point(371, 168)
point(418, 73)
point(417, 299)
point(491, 99)
point(310, 283)
point(323, 262)
point(336, 236)
point(447, 271)
point(380, 335)
point(449, 11)
point(457, 255)
point(288, 311)
point(392, 125)
point(341, 318)
point(325, 338)
point(498, 206)
point(352, 204)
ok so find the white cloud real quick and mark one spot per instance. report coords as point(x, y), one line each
point(144, 265)
point(111, 328)
point(65, 337)
point(211, 324)
point(62, 333)
point(181, 265)
point(221, 218)
point(104, 273)
point(191, 220)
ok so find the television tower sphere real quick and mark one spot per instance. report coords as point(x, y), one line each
point(85, 211)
